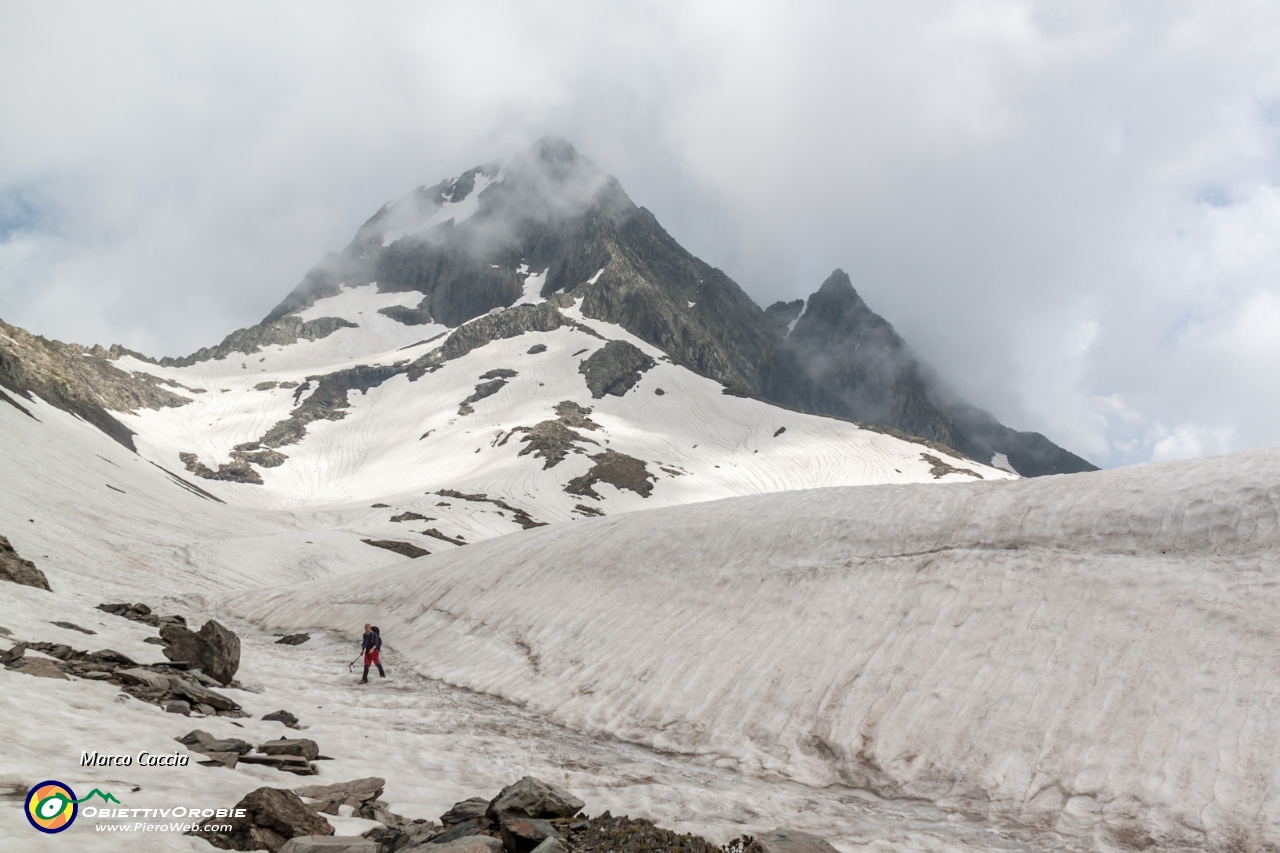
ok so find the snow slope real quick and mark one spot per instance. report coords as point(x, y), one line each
point(403, 441)
point(1095, 654)
point(106, 525)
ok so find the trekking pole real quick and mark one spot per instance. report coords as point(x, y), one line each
point(354, 662)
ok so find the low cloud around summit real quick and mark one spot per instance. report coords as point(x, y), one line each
point(1073, 211)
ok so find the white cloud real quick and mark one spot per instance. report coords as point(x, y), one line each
point(1071, 209)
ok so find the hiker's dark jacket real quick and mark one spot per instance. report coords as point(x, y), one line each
point(370, 641)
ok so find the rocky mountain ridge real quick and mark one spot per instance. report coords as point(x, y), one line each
point(550, 221)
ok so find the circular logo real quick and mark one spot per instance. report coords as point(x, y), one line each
point(51, 806)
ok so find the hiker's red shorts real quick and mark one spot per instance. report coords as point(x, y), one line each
point(371, 658)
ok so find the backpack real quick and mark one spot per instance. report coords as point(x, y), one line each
point(377, 638)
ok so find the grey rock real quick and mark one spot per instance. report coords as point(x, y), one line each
point(468, 844)
point(177, 706)
point(472, 809)
point(110, 656)
point(524, 834)
point(273, 817)
point(461, 830)
point(214, 649)
point(144, 677)
point(533, 798)
point(293, 639)
point(13, 655)
point(17, 570)
point(71, 626)
point(207, 710)
point(220, 759)
point(284, 717)
point(329, 844)
point(355, 793)
point(203, 742)
point(789, 841)
point(201, 696)
point(61, 651)
point(304, 747)
point(38, 667)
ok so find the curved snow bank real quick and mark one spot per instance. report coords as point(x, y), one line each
point(1095, 653)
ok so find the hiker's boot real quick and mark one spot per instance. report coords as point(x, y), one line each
point(364, 679)
point(381, 674)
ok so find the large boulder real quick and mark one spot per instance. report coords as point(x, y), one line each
point(17, 570)
point(614, 368)
point(215, 649)
point(272, 817)
point(789, 841)
point(533, 798)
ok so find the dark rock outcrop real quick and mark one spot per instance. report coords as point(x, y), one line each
point(79, 380)
point(407, 549)
point(293, 639)
point(15, 569)
point(618, 470)
point(272, 817)
point(614, 369)
point(281, 332)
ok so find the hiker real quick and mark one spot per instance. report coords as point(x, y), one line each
point(371, 644)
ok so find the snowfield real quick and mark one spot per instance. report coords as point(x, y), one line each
point(1093, 654)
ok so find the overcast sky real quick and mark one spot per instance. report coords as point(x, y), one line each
point(1072, 209)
